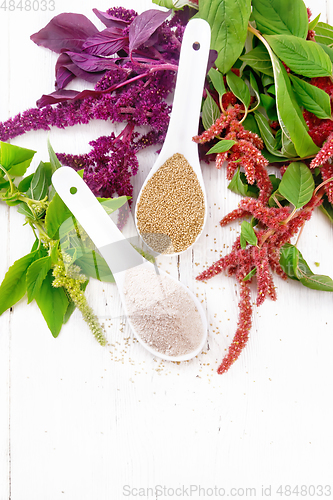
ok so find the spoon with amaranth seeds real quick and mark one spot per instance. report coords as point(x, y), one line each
point(165, 316)
point(171, 208)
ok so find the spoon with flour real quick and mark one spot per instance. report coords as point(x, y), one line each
point(165, 316)
point(171, 207)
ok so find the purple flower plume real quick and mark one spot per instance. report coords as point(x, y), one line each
point(129, 88)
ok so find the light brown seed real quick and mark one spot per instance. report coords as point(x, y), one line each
point(171, 208)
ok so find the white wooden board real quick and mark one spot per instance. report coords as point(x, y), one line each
point(79, 421)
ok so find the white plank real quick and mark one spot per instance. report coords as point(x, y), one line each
point(87, 421)
point(4, 319)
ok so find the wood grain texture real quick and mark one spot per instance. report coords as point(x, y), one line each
point(79, 421)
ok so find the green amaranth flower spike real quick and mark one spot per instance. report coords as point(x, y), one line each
point(68, 276)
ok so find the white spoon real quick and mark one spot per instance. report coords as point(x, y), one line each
point(116, 250)
point(186, 106)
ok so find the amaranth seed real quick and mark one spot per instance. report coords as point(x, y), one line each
point(171, 208)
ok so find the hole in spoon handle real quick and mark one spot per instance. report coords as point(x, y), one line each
point(190, 82)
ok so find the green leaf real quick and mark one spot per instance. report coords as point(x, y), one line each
point(250, 124)
point(314, 22)
point(267, 81)
point(40, 182)
point(276, 196)
point(25, 183)
point(217, 81)
point(258, 59)
point(272, 158)
point(275, 192)
point(287, 253)
point(307, 277)
point(271, 90)
point(327, 49)
point(297, 184)
point(210, 112)
point(221, 146)
point(94, 266)
point(25, 210)
point(283, 17)
point(110, 205)
point(239, 88)
point(15, 159)
point(13, 286)
point(318, 282)
point(239, 185)
point(4, 184)
point(266, 134)
point(228, 20)
point(314, 99)
point(164, 3)
point(55, 163)
point(255, 88)
point(327, 209)
point(250, 275)
point(304, 57)
point(53, 304)
point(290, 116)
point(36, 274)
point(324, 34)
point(287, 146)
point(56, 213)
point(248, 234)
point(294, 265)
point(174, 4)
point(268, 103)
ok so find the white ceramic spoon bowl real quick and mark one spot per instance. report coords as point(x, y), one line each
point(116, 250)
point(186, 106)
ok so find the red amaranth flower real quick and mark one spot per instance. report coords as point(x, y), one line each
point(326, 174)
point(218, 126)
point(243, 328)
point(278, 229)
point(228, 99)
point(264, 277)
point(324, 154)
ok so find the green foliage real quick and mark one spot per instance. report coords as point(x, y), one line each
point(239, 88)
point(324, 34)
point(53, 304)
point(251, 274)
point(14, 159)
point(217, 81)
point(267, 136)
point(56, 214)
point(94, 266)
point(228, 20)
point(36, 274)
point(210, 112)
point(294, 265)
point(14, 286)
point(281, 17)
point(40, 182)
point(304, 57)
point(258, 59)
point(297, 184)
point(221, 146)
point(290, 116)
point(33, 274)
point(315, 100)
point(239, 185)
point(248, 235)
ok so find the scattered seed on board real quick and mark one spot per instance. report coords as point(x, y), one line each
point(171, 208)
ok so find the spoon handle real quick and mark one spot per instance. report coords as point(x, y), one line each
point(189, 85)
point(111, 243)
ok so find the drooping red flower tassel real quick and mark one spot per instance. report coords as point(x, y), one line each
point(243, 328)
